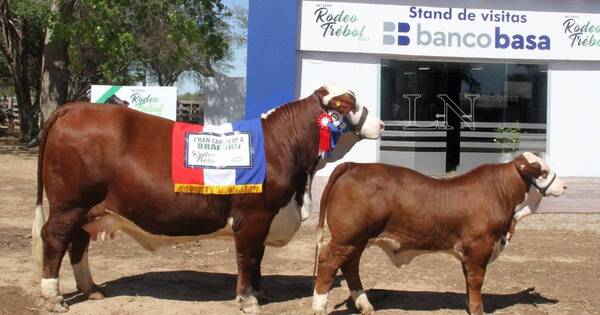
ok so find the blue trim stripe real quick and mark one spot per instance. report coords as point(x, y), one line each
point(257, 173)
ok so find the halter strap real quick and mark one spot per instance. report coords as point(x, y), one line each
point(363, 117)
point(545, 188)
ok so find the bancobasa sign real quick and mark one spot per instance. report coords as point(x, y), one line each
point(156, 100)
point(448, 32)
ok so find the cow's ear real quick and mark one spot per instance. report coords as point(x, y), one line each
point(532, 170)
point(321, 93)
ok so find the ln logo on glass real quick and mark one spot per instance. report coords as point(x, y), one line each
point(399, 33)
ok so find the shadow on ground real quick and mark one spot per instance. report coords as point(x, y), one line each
point(200, 286)
point(433, 301)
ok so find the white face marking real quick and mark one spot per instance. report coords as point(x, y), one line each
point(371, 129)
point(83, 276)
point(49, 288)
point(558, 185)
point(361, 301)
point(319, 303)
point(333, 91)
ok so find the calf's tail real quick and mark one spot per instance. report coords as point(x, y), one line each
point(37, 245)
point(337, 173)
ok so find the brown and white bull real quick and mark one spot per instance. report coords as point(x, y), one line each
point(406, 214)
point(107, 168)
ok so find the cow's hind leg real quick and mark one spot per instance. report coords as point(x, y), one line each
point(331, 258)
point(78, 253)
point(56, 234)
point(350, 269)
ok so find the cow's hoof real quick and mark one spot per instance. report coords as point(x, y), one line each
point(56, 304)
point(96, 295)
point(260, 295)
point(248, 305)
point(250, 309)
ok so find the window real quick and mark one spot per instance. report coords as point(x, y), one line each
point(443, 117)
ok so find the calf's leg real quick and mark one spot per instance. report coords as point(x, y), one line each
point(331, 258)
point(350, 269)
point(79, 261)
point(474, 267)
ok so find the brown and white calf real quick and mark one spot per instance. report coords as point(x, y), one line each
point(406, 214)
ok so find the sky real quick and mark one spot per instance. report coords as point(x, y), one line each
point(238, 63)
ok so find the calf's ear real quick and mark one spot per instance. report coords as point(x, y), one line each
point(532, 170)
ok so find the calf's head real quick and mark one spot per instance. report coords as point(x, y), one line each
point(344, 101)
point(537, 172)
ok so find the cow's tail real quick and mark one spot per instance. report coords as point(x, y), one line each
point(37, 249)
point(337, 172)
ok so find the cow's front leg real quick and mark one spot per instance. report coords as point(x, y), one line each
point(258, 292)
point(250, 233)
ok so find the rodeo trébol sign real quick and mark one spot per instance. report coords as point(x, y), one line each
point(156, 100)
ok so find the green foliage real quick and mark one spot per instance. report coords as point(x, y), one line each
point(510, 136)
point(30, 18)
point(125, 41)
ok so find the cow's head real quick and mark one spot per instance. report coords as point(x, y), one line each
point(537, 172)
point(335, 99)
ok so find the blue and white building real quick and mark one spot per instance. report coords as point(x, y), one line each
point(458, 83)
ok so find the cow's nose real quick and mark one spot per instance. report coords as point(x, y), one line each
point(565, 186)
point(381, 126)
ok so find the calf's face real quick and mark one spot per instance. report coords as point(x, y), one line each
point(537, 171)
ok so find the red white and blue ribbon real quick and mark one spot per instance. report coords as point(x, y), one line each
point(330, 132)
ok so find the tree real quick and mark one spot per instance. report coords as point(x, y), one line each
point(127, 41)
point(74, 44)
point(195, 33)
point(55, 75)
point(22, 25)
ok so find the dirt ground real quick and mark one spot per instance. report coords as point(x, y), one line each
point(552, 266)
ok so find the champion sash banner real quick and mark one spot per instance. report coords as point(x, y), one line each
point(224, 159)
